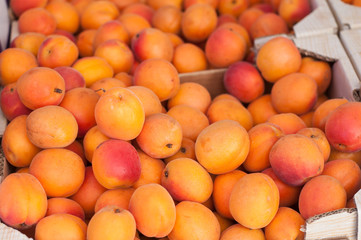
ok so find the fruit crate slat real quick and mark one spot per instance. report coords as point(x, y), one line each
point(347, 16)
point(319, 21)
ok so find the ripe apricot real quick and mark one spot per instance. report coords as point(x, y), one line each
point(237, 231)
point(159, 205)
point(65, 14)
point(91, 140)
point(192, 94)
point(261, 109)
point(102, 85)
point(321, 194)
point(88, 192)
point(60, 171)
point(149, 99)
point(254, 209)
point(347, 172)
point(222, 146)
point(17, 148)
point(188, 57)
point(81, 103)
point(286, 224)
point(113, 29)
point(133, 23)
point(64, 205)
point(161, 136)
point(186, 180)
point(96, 13)
point(222, 189)
point(37, 20)
point(268, 24)
point(51, 126)
point(198, 22)
point(320, 138)
point(235, 8)
point(277, 58)
point(165, 85)
point(229, 109)
point(14, 62)
point(119, 197)
point(192, 120)
point(299, 87)
point(112, 222)
point(84, 42)
point(288, 122)
point(128, 119)
point(60, 226)
point(29, 41)
point(167, 19)
point(194, 220)
point(262, 137)
point(23, 200)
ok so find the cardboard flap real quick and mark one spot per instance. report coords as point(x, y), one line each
point(347, 16)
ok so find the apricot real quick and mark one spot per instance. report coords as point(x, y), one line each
point(254, 209)
point(268, 24)
point(288, 194)
point(186, 180)
point(261, 109)
point(116, 164)
point(65, 14)
point(28, 41)
point(165, 85)
point(51, 127)
point(188, 57)
point(58, 205)
point(294, 11)
point(152, 43)
point(81, 103)
point(61, 226)
point(17, 148)
point(119, 197)
point(60, 171)
point(320, 71)
point(225, 109)
point(262, 138)
point(127, 121)
point(225, 47)
point(347, 172)
point(14, 62)
point(88, 192)
point(192, 94)
point(151, 170)
point(294, 93)
point(222, 146)
point(277, 58)
point(72, 77)
point(161, 136)
point(85, 41)
point(290, 123)
point(322, 112)
point(198, 22)
point(104, 84)
point(222, 188)
point(296, 158)
point(93, 68)
point(20, 6)
point(141, 9)
point(167, 19)
point(117, 54)
point(321, 194)
point(343, 129)
point(159, 205)
point(248, 17)
point(109, 30)
point(112, 222)
point(192, 120)
point(133, 23)
point(91, 140)
point(354, 156)
point(320, 138)
point(195, 221)
point(23, 200)
point(286, 224)
point(235, 8)
point(237, 231)
point(96, 13)
point(37, 20)
point(149, 99)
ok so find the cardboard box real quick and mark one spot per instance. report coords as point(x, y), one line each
point(319, 21)
point(4, 25)
point(346, 15)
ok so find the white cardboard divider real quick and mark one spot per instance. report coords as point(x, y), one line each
point(319, 21)
point(347, 16)
point(4, 25)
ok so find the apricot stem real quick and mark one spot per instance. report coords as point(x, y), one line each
point(183, 150)
point(166, 173)
point(169, 145)
point(117, 210)
point(58, 90)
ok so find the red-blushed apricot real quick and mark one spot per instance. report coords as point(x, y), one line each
point(116, 164)
point(64, 205)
